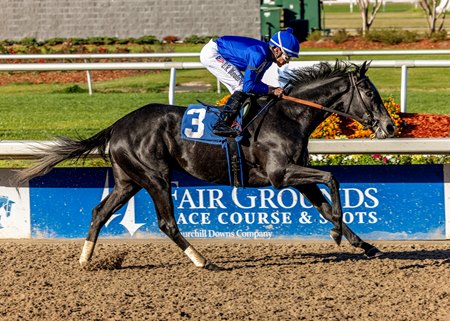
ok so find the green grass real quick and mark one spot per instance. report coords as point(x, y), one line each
point(46, 110)
point(42, 111)
point(43, 116)
point(391, 15)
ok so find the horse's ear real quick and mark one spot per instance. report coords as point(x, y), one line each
point(364, 68)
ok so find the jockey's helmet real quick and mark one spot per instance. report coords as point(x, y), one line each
point(287, 42)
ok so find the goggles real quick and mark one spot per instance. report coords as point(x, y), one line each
point(285, 56)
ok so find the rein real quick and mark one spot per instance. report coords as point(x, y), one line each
point(317, 106)
point(327, 109)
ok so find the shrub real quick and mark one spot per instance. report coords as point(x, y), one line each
point(74, 90)
point(125, 41)
point(438, 35)
point(392, 36)
point(147, 40)
point(198, 39)
point(109, 40)
point(8, 42)
point(28, 42)
point(77, 41)
point(3, 50)
point(316, 35)
point(54, 41)
point(340, 36)
point(101, 40)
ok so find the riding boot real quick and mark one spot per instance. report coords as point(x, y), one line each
point(229, 112)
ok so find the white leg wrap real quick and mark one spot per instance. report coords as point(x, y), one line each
point(86, 253)
point(195, 257)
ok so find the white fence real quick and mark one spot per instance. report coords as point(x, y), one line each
point(15, 149)
point(88, 66)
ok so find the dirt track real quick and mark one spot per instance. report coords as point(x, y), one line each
point(263, 280)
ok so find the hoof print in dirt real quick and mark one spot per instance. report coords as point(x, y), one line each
point(212, 267)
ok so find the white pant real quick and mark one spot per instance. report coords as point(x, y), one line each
point(227, 73)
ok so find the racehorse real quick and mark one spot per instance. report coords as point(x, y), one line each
point(145, 145)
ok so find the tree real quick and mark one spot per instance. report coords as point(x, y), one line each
point(433, 14)
point(367, 19)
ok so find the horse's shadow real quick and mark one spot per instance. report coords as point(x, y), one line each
point(419, 259)
point(423, 256)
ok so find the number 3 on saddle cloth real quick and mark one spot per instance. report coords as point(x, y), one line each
point(197, 125)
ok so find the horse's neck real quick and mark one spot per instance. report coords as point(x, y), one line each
point(326, 94)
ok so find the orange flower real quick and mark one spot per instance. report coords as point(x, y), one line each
point(330, 128)
point(223, 100)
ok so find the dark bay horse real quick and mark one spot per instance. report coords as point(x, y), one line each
point(145, 145)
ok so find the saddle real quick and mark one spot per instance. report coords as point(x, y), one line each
point(197, 125)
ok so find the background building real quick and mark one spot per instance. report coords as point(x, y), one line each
point(43, 19)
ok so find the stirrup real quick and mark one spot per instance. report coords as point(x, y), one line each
point(224, 131)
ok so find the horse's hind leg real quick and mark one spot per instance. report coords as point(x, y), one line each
point(315, 196)
point(123, 190)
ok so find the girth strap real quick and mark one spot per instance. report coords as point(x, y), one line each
point(234, 163)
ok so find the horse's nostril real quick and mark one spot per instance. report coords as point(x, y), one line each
point(390, 129)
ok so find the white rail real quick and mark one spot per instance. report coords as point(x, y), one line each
point(25, 149)
point(198, 65)
point(101, 66)
point(333, 53)
point(173, 66)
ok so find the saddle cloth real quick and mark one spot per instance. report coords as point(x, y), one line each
point(197, 124)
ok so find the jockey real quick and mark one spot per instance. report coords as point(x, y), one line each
point(229, 56)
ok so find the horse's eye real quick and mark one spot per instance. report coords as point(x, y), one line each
point(369, 94)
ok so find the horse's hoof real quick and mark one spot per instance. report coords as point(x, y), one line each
point(336, 236)
point(212, 267)
point(373, 252)
point(83, 263)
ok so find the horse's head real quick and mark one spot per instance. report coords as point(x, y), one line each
point(365, 104)
point(345, 89)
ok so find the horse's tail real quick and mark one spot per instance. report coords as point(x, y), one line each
point(65, 148)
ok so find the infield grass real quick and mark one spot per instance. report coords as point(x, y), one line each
point(391, 15)
point(45, 110)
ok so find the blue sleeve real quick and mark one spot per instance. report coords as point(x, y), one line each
point(257, 66)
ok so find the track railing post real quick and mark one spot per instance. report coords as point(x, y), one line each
point(403, 88)
point(89, 79)
point(172, 85)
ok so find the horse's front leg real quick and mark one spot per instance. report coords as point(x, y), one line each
point(317, 199)
point(295, 175)
point(160, 193)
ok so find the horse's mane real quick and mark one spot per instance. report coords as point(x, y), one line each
point(320, 71)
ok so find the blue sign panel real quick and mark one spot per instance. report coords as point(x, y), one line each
point(379, 202)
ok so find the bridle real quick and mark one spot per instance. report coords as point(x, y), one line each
point(368, 123)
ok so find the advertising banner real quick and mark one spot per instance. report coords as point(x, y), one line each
point(14, 208)
point(379, 202)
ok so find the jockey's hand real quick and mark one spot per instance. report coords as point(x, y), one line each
point(277, 91)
